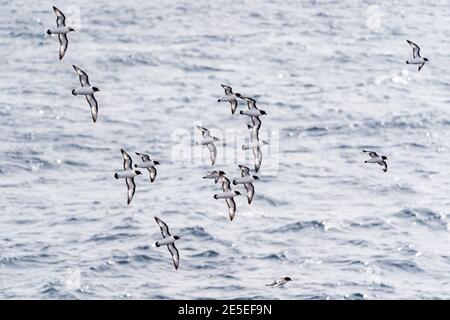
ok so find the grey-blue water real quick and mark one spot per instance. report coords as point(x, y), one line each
point(331, 76)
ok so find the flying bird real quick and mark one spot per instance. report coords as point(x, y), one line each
point(168, 240)
point(148, 164)
point(253, 110)
point(246, 179)
point(279, 283)
point(128, 174)
point(61, 30)
point(209, 140)
point(230, 97)
point(375, 158)
point(88, 91)
point(228, 195)
point(417, 59)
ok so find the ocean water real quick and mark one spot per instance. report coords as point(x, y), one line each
point(331, 76)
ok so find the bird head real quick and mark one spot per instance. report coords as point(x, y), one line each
point(237, 193)
point(221, 173)
point(426, 59)
point(256, 178)
point(156, 162)
point(71, 29)
point(176, 237)
point(238, 95)
point(287, 279)
point(263, 112)
point(384, 158)
point(138, 172)
point(95, 89)
point(216, 139)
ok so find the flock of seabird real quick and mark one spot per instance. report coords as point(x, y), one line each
point(246, 177)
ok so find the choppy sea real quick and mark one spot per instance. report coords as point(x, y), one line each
point(332, 77)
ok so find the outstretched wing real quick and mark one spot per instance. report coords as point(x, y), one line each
point(251, 103)
point(228, 89)
point(94, 106)
point(164, 228)
point(63, 44)
point(245, 171)
point(256, 124)
point(175, 255)
point(127, 162)
point(144, 157)
point(225, 184)
point(152, 173)
point(205, 132)
point(131, 189)
point(234, 105)
point(60, 17)
point(258, 157)
point(372, 154)
point(416, 49)
point(212, 153)
point(84, 79)
point(384, 164)
point(250, 191)
point(231, 207)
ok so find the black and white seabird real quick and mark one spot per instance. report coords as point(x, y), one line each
point(279, 283)
point(209, 140)
point(214, 175)
point(148, 164)
point(128, 174)
point(417, 59)
point(375, 158)
point(253, 110)
point(228, 195)
point(168, 240)
point(88, 91)
point(230, 97)
point(246, 179)
point(61, 30)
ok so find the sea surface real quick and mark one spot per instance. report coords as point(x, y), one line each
point(331, 76)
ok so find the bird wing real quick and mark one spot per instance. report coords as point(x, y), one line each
point(416, 49)
point(231, 207)
point(372, 154)
point(164, 228)
point(63, 44)
point(60, 17)
point(205, 132)
point(131, 189)
point(84, 79)
point(225, 184)
point(228, 89)
point(250, 191)
point(152, 173)
point(234, 105)
point(245, 171)
point(127, 162)
point(94, 106)
point(251, 103)
point(258, 157)
point(175, 255)
point(384, 164)
point(213, 152)
point(144, 157)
